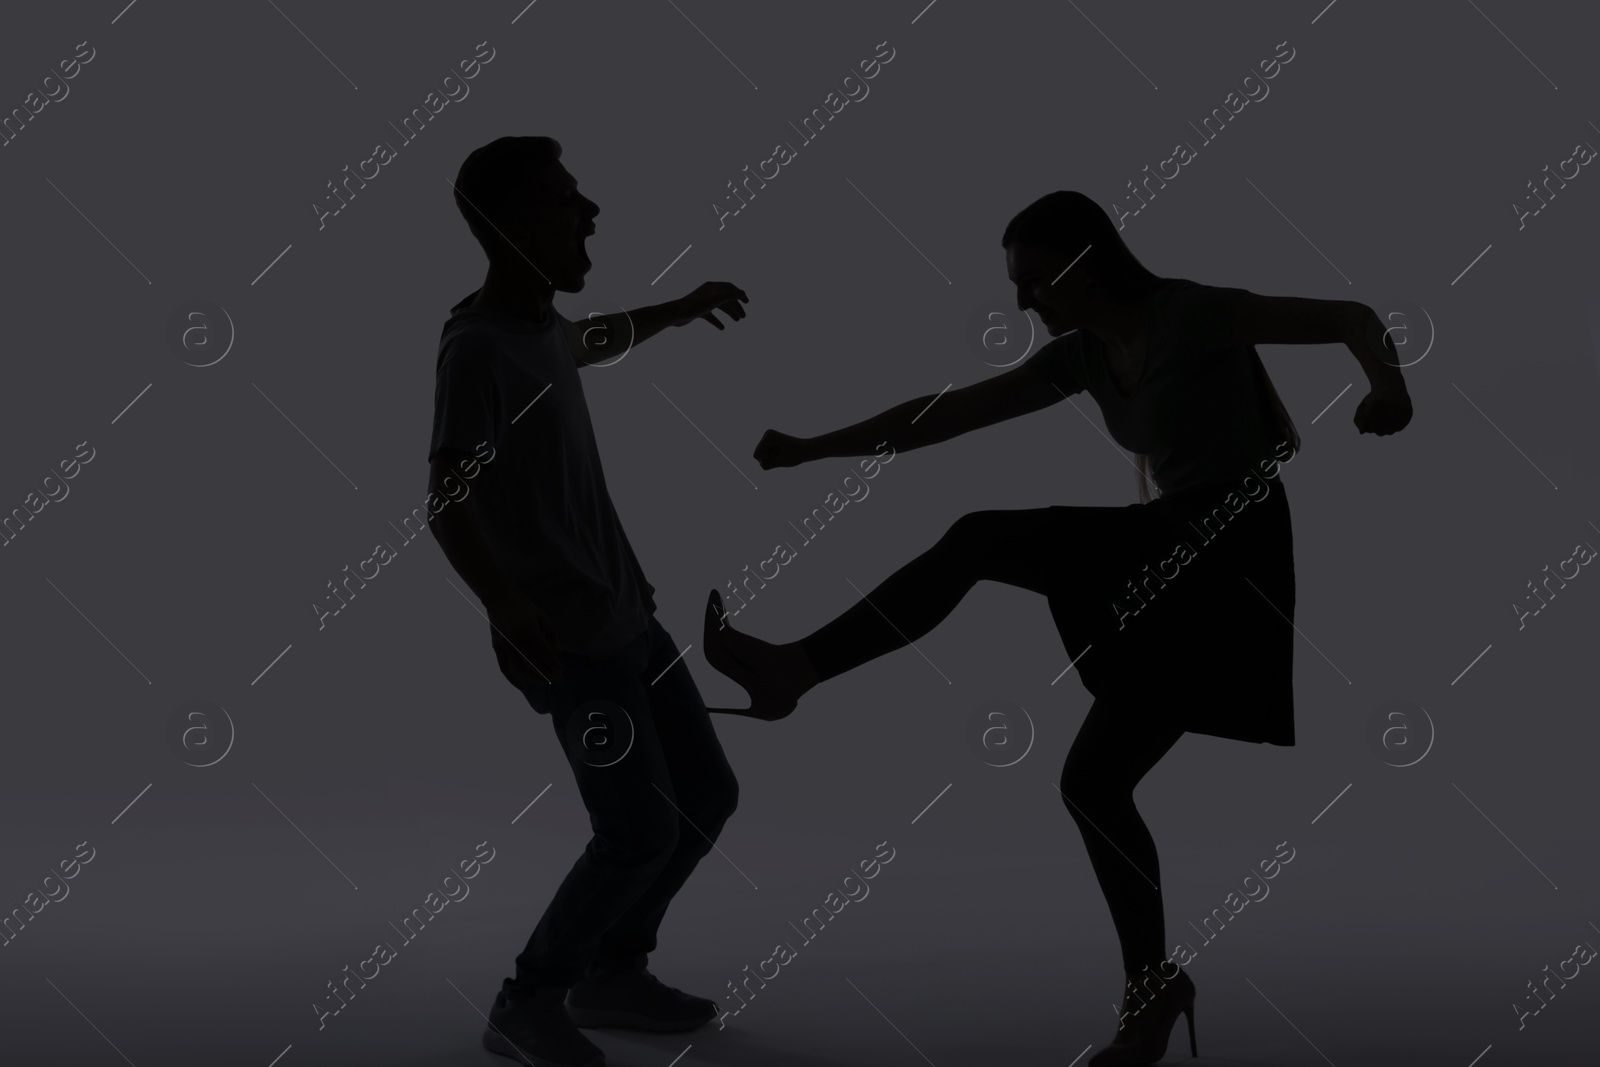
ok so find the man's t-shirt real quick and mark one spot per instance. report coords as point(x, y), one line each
point(542, 499)
point(1200, 412)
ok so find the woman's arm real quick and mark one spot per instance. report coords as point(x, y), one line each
point(1290, 320)
point(1386, 408)
point(1367, 337)
point(923, 421)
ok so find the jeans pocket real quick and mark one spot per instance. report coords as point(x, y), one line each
point(516, 668)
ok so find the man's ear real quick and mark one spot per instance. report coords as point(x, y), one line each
point(512, 231)
point(511, 236)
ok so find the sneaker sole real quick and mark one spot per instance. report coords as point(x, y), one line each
point(610, 1018)
point(497, 1043)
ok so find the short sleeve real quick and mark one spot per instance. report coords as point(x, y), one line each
point(1195, 314)
point(1060, 362)
point(465, 404)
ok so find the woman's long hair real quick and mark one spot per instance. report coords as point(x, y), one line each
point(1068, 222)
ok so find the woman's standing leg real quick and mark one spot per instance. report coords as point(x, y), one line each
point(1115, 747)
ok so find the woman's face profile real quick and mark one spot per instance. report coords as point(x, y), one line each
point(1046, 286)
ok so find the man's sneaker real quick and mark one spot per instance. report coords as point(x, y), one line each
point(638, 1000)
point(533, 1028)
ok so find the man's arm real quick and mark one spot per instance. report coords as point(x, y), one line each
point(456, 527)
point(599, 338)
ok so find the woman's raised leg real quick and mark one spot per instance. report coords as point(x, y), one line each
point(1029, 548)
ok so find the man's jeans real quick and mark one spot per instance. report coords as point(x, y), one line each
point(658, 789)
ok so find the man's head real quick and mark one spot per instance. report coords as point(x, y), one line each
point(524, 208)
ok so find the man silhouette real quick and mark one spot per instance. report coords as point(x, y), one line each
point(571, 613)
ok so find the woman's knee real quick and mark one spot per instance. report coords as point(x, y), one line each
point(972, 541)
point(1087, 792)
point(975, 528)
point(1022, 548)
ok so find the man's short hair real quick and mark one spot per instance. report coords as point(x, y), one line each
point(492, 185)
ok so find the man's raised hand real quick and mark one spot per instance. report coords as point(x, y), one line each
point(707, 300)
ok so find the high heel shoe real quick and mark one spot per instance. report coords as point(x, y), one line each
point(1143, 1036)
point(767, 701)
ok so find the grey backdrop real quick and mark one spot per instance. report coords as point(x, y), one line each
point(369, 756)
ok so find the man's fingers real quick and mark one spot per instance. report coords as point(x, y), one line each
point(712, 319)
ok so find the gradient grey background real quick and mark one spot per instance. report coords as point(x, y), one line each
point(188, 553)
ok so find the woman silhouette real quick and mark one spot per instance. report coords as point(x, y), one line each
point(1176, 611)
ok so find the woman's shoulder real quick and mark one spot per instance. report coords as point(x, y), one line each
point(1189, 311)
point(1186, 294)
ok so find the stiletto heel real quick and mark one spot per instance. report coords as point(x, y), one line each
point(1146, 1041)
point(765, 702)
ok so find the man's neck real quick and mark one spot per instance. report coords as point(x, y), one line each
point(520, 293)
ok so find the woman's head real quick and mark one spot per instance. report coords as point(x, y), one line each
point(1063, 230)
point(1067, 261)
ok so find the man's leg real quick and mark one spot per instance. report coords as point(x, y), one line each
point(702, 790)
point(600, 709)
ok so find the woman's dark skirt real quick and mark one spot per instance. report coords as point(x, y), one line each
point(1182, 608)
